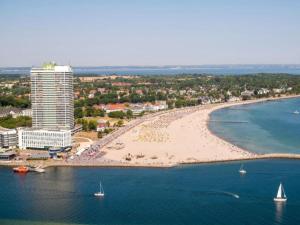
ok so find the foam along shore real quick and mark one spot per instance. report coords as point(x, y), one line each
point(176, 137)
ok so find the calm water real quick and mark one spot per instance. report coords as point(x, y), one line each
point(165, 70)
point(195, 194)
point(271, 126)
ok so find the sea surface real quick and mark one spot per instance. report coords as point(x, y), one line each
point(266, 127)
point(203, 194)
point(169, 70)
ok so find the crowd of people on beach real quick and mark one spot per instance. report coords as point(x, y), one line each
point(165, 118)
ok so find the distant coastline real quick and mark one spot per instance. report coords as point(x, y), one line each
point(171, 69)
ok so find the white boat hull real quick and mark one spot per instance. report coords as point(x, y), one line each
point(243, 171)
point(99, 194)
point(280, 199)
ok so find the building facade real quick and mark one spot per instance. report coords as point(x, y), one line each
point(52, 109)
point(52, 97)
point(44, 139)
point(8, 138)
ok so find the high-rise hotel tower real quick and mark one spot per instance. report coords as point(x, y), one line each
point(52, 108)
point(52, 97)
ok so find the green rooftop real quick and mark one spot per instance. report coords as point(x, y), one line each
point(49, 66)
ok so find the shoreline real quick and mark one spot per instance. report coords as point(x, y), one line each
point(215, 149)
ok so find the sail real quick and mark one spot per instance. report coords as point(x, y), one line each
point(101, 189)
point(283, 192)
point(279, 192)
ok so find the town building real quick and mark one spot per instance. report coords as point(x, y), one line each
point(52, 97)
point(115, 107)
point(8, 138)
point(101, 127)
point(44, 139)
point(52, 109)
point(137, 109)
point(6, 156)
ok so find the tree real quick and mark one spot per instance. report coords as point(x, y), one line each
point(99, 134)
point(120, 123)
point(92, 125)
point(117, 114)
point(89, 111)
point(10, 122)
point(129, 114)
point(78, 113)
point(84, 125)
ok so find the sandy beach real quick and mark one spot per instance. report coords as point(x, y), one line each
point(172, 138)
point(180, 136)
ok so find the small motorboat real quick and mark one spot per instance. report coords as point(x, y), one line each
point(296, 112)
point(242, 170)
point(37, 169)
point(280, 197)
point(100, 193)
point(21, 169)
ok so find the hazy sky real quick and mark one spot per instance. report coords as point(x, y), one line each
point(149, 32)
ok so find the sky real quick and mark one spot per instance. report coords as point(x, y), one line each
point(149, 32)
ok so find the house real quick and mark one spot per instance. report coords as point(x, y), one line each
point(139, 92)
point(6, 111)
point(137, 109)
point(102, 90)
point(263, 91)
point(278, 90)
point(150, 107)
point(191, 92)
point(233, 99)
point(161, 105)
point(91, 95)
point(115, 107)
point(171, 91)
point(76, 94)
point(247, 94)
point(100, 107)
point(182, 92)
point(158, 105)
point(204, 100)
point(101, 127)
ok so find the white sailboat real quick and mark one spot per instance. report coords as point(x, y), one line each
point(101, 192)
point(280, 197)
point(242, 170)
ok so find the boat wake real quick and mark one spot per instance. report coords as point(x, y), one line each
point(234, 195)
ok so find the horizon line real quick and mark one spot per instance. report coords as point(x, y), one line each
point(173, 65)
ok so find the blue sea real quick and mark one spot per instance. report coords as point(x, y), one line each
point(203, 194)
point(267, 127)
point(197, 194)
point(169, 70)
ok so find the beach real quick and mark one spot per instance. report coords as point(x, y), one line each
point(178, 136)
point(175, 137)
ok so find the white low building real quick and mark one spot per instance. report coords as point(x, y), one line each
point(8, 138)
point(43, 139)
